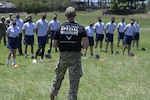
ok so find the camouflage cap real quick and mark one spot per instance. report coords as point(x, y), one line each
point(70, 12)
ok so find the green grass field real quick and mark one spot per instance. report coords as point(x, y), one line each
point(118, 77)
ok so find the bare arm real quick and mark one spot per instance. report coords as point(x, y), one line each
point(23, 32)
point(95, 30)
point(36, 31)
point(54, 43)
point(48, 31)
point(125, 30)
point(85, 42)
point(118, 29)
point(113, 29)
point(105, 31)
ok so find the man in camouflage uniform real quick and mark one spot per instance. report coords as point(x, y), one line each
point(3, 30)
point(9, 19)
point(69, 36)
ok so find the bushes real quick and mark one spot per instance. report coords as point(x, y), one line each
point(120, 6)
point(36, 6)
point(30, 6)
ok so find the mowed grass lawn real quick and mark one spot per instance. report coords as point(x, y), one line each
point(117, 77)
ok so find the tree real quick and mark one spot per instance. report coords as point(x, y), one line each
point(30, 6)
point(34, 7)
point(148, 4)
point(126, 4)
point(54, 5)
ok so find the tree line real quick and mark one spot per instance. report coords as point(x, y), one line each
point(36, 6)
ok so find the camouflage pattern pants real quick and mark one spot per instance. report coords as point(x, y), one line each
point(3, 35)
point(72, 61)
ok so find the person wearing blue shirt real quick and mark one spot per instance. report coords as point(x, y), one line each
point(19, 23)
point(12, 32)
point(90, 33)
point(136, 35)
point(99, 30)
point(28, 30)
point(41, 29)
point(53, 25)
point(120, 28)
point(128, 37)
point(109, 31)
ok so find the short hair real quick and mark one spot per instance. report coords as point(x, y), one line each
point(113, 18)
point(99, 18)
point(132, 19)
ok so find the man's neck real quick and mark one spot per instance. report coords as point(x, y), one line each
point(70, 19)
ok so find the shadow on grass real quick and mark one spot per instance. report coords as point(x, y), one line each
point(124, 12)
point(2, 64)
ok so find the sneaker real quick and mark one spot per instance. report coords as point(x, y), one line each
point(49, 51)
point(34, 61)
point(131, 54)
point(84, 57)
point(32, 57)
point(41, 60)
point(47, 55)
point(25, 55)
point(56, 50)
point(7, 62)
point(100, 50)
point(13, 64)
point(21, 54)
point(7, 65)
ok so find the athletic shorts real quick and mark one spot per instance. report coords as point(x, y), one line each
point(99, 37)
point(136, 36)
point(42, 40)
point(120, 35)
point(52, 34)
point(12, 43)
point(29, 40)
point(109, 37)
point(91, 41)
point(127, 39)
